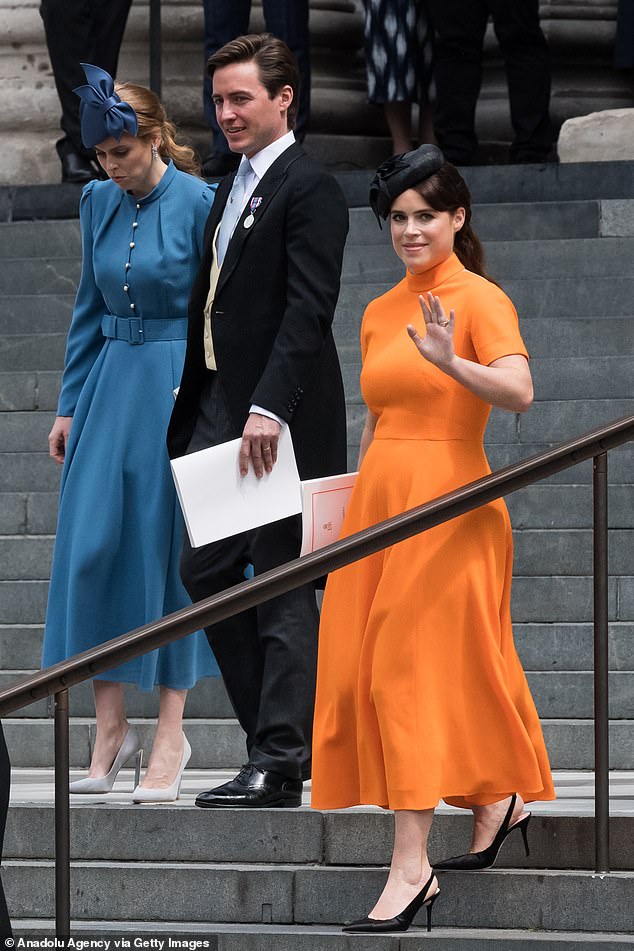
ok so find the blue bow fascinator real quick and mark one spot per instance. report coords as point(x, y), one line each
point(102, 113)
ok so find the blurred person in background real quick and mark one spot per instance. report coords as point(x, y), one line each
point(77, 31)
point(459, 27)
point(398, 42)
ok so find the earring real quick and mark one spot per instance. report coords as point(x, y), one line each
point(155, 152)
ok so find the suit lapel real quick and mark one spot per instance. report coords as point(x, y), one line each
point(265, 190)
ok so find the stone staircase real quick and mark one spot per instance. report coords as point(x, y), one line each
point(285, 878)
point(345, 131)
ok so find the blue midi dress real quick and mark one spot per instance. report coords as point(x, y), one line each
point(119, 534)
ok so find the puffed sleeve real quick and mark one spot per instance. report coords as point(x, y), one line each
point(202, 209)
point(85, 339)
point(495, 331)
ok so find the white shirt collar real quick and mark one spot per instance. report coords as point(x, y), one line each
point(262, 160)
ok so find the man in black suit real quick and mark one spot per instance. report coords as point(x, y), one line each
point(459, 27)
point(80, 31)
point(226, 19)
point(261, 356)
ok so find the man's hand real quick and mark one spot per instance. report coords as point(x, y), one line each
point(259, 444)
point(58, 437)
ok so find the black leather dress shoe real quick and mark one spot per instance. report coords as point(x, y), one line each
point(253, 788)
point(77, 169)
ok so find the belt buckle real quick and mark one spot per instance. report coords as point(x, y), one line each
point(135, 327)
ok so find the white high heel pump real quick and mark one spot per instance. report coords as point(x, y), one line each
point(167, 793)
point(130, 747)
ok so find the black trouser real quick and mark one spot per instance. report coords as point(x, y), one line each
point(80, 31)
point(267, 655)
point(459, 28)
point(5, 783)
point(286, 19)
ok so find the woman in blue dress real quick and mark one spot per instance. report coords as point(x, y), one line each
point(116, 559)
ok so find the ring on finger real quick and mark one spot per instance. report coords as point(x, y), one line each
point(443, 323)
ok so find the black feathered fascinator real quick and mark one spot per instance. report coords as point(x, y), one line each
point(400, 173)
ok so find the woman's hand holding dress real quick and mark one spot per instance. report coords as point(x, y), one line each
point(58, 437)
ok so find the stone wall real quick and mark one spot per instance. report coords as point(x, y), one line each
point(345, 131)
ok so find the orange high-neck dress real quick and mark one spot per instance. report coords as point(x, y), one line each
point(420, 693)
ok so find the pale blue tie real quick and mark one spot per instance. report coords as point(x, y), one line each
point(233, 209)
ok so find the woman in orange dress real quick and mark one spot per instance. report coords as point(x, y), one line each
point(420, 692)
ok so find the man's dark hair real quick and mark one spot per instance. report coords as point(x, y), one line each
point(276, 64)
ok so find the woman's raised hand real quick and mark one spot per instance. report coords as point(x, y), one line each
point(437, 344)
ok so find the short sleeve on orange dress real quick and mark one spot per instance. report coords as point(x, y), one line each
point(495, 328)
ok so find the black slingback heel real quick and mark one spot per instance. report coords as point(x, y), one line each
point(402, 921)
point(474, 861)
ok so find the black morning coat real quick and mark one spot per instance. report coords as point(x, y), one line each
point(272, 314)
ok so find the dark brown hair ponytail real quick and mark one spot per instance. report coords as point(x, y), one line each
point(446, 190)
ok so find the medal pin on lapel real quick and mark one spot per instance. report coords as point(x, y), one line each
point(254, 204)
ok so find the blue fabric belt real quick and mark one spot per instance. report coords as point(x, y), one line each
point(134, 330)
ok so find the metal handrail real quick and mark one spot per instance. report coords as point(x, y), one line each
point(57, 679)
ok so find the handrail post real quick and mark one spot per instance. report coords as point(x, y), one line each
point(155, 46)
point(601, 661)
point(62, 817)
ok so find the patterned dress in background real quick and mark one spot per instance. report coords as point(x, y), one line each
point(398, 41)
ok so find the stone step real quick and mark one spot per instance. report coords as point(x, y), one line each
point(496, 184)
point(290, 836)
point(544, 505)
point(29, 390)
point(539, 899)
point(579, 257)
point(557, 694)
point(548, 421)
point(56, 275)
point(551, 299)
point(35, 313)
point(518, 221)
point(587, 376)
point(537, 506)
point(620, 462)
point(574, 378)
point(562, 551)
point(259, 937)
point(42, 239)
point(29, 513)
point(28, 352)
point(573, 257)
point(207, 700)
point(31, 472)
point(579, 378)
point(554, 599)
point(492, 222)
point(216, 743)
point(541, 647)
point(219, 743)
point(553, 421)
point(569, 647)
